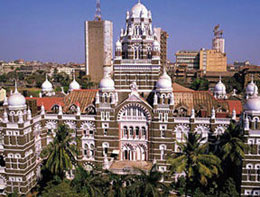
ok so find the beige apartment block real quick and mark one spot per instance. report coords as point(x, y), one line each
point(213, 60)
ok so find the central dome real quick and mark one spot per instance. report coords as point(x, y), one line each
point(139, 10)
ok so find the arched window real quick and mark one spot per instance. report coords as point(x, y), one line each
point(131, 131)
point(55, 109)
point(125, 131)
point(162, 149)
point(144, 132)
point(257, 168)
point(249, 168)
point(137, 132)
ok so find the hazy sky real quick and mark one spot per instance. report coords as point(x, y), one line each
point(53, 30)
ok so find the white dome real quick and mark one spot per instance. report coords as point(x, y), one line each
point(107, 84)
point(220, 88)
point(47, 86)
point(253, 104)
point(251, 89)
point(74, 85)
point(164, 83)
point(16, 100)
point(139, 10)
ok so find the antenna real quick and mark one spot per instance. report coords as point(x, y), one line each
point(98, 11)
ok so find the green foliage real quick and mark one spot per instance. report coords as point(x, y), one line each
point(200, 84)
point(87, 183)
point(59, 189)
point(86, 82)
point(148, 184)
point(60, 153)
point(194, 160)
point(235, 82)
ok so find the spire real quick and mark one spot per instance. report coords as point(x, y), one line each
point(98, 11)
point(15, 87)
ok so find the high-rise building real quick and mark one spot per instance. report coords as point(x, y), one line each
point(218, 42)
point(162, 37)
point(188, 59)
point(212, 60)
point(98, 45)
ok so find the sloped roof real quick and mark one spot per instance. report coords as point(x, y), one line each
point(235, 104)
point(179, 88)
point(48, 102)
point(82, 98)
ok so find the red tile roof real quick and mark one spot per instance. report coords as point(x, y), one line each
point(235, 104)
point(48, 102)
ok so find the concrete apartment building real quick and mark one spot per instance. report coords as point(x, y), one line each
point(162, 37)
point(189, 59)
point(98, 45)
point(212, 60)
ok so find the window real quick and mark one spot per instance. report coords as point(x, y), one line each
point(160, 117)
point(165, 117)
point(131, 131)
point(137, 132)
point(107, 115)
point(144, 131)
point(105, 128)
point(163, 130)
point(125, 131)
point(102, 115)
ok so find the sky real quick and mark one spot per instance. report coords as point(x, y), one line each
point(53, 30)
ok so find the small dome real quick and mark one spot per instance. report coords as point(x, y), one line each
point(164, 83)
point(47, 86)
point(139, 10)
point(251, 89)
point(74, 85)
point(220, 88)
point(253, 104)
point(107, 84)
point(16, 100)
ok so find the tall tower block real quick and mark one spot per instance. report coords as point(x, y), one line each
point(98, 45)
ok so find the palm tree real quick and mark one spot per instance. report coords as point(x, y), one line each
point(148, 184)
point(87, 183)
point(231, 144)
point(231, 149)
point(195, 161)
point(60, 154)
point(117, 185)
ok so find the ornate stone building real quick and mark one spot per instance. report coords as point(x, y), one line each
point(132, 120)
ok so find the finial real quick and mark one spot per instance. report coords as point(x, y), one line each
point(74, 77)
point(220, 78)
point(139, 1)
point(252, 78)
point(46, 77)
point(15, 87)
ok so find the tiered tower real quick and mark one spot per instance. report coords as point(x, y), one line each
point(137, 56)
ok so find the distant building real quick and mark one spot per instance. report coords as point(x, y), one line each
point(98, 46)
point(189, 59)
point(212, 60)
point(218, 42)
point(162, 37)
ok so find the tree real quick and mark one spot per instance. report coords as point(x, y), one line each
point(200, 84)
point(148, 184)
point(231, 149)
point(117, 185)
point(195, 161)
point(86, 82)
point(87, 183)
point(59, 190)
point(60, 153)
